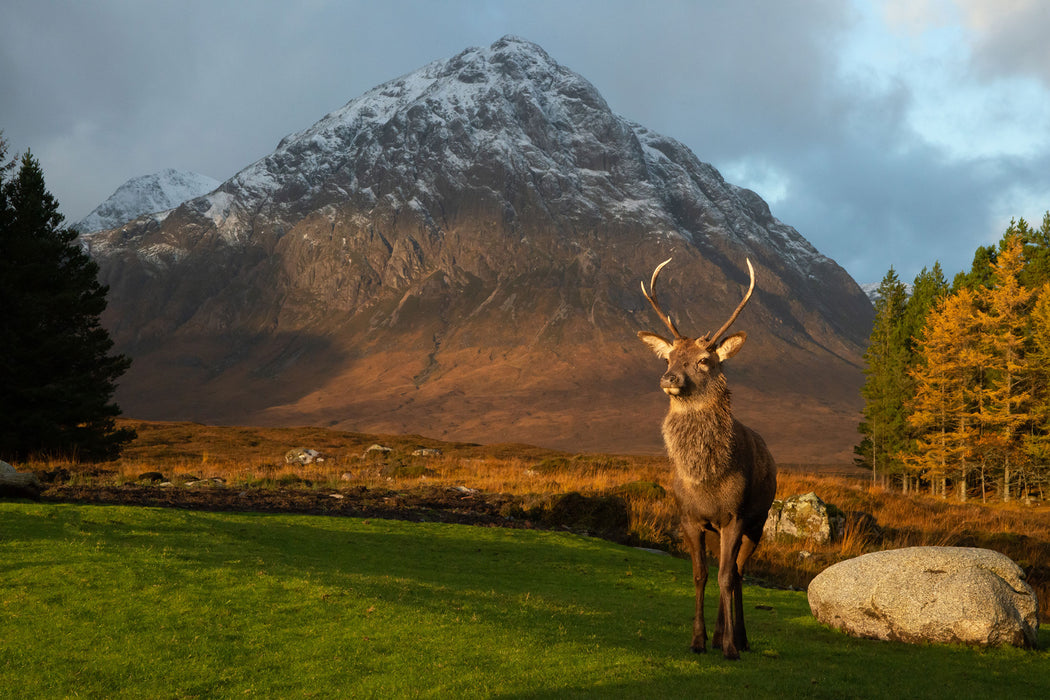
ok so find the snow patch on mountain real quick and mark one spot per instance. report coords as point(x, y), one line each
point(508, 108)
point(147, 194)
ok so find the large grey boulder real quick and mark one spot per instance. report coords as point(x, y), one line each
point(803, 517)
point(929, 594)
point(18, 484)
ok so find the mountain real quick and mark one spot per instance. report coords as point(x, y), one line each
point(457, 252)
point(148, 194)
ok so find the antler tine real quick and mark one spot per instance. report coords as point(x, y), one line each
point(651, 296)
point(740, 307)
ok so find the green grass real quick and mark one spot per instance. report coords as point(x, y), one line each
point(99, 601)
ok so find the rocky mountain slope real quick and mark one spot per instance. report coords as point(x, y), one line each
point(457, 253)
point(148, 194)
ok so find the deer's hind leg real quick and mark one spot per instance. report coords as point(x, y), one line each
point(747, 547)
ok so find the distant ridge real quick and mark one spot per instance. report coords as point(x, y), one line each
point(147, 194)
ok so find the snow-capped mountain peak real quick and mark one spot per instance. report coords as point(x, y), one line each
point(147, 194)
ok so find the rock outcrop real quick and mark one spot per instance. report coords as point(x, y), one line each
point(805, 516)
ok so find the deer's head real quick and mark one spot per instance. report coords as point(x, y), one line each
point(694, 365)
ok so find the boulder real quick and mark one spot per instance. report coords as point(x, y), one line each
point(804, 517)
point(929, 594)
point(18, 484)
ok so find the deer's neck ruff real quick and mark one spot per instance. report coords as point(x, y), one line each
point(699, 436)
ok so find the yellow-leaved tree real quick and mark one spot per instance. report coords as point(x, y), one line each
point(947, 377)
point(1037, 441)
point(1006, 397)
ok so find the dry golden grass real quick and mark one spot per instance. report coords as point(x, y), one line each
point(256, 456)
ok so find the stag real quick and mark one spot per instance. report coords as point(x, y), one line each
point(724, 477)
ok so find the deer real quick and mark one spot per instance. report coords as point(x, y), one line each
point(724, 478)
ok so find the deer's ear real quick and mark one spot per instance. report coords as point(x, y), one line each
point(658, 345)
point(730, 346)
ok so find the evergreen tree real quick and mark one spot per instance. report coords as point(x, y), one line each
point(887, 383)
point(980, 274)
point(927, 290)
point(56, 373)
point(1037, 255)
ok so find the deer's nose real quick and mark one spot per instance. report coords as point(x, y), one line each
point(671, 380)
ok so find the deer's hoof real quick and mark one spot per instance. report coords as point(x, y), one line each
point(700, 648)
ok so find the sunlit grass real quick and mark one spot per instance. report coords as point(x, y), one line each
point(107, 601)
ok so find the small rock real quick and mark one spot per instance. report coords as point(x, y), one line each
point(303, 456)
point(377, 449)
point(427, 452)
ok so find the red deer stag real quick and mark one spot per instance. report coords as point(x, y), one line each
point(724, 477)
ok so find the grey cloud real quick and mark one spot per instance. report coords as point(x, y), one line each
point(1011, 39)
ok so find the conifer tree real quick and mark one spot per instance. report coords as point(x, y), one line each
point(56, 373)
point(1006, 398)
point(941, 410)
point(980, 272)
point(1037, 255)
point(927, 290)
point(1037, 441)
point(886, 382)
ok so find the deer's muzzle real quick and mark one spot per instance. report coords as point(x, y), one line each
point(671, 384)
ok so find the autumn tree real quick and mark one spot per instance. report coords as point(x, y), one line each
point(946, 378)
point(1037, 441)
point(1006, 395)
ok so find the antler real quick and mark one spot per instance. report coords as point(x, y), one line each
point(713, 337)
point(652, 299)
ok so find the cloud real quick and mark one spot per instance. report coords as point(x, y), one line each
point(1009, 37)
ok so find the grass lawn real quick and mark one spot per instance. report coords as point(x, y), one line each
point(100, 601)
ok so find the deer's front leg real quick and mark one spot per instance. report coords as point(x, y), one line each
point(729, 588)
point(693, 537)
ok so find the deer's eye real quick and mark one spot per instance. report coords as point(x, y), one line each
point(703, 363)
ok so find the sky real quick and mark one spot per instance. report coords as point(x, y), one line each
point(896, 133)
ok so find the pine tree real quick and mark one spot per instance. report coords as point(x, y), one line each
point(928, 288)
point(1037, 255)
point(56, 373)
point(980, 273)
point(887, 383)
